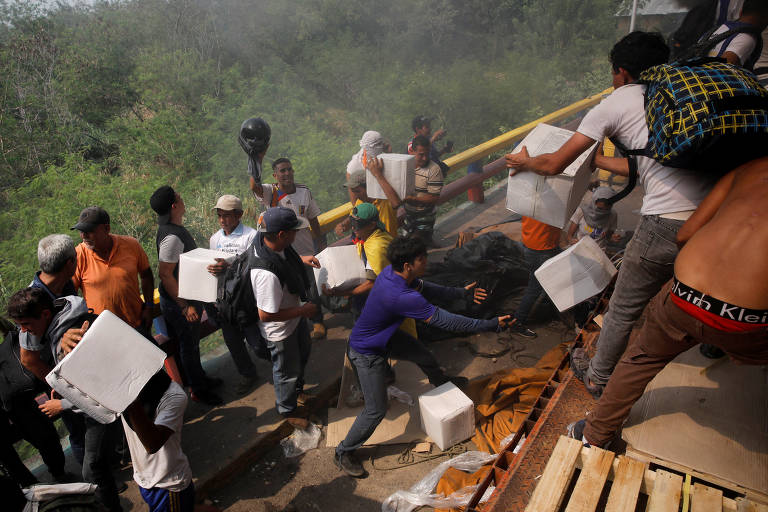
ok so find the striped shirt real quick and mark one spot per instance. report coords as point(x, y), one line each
point(429, 180)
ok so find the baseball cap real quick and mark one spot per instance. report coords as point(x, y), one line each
point(90, 218)
point(356, 179)
point(363, 214)
point(280, 218)
point(229, 202)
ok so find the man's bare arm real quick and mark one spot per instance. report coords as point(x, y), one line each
point(152, 436)
point(256, 188)
point(706, 209)
point(32, 361)
point(165, 273)
point(550, 164)
point(307, 310)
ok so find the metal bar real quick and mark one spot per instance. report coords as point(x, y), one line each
point(633, 17)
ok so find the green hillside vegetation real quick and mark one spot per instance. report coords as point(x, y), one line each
point(103, 103)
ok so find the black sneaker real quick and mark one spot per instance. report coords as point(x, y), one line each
point(575, 430)
point(206, 396)
point(711, 351)
point(459, 381)
point(348, 463)
point(522, 330)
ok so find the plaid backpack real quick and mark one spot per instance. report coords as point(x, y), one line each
point(705, 115)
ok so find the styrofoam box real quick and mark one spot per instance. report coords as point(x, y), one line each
point(340, 267)
point(576, 274)
point(447, 415)
point(398, 171)
point(195, 282)
point(549, 199)
point(106, 371)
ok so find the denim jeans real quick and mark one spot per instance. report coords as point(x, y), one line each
point(289, 358)
point(372, 371)
point(188, 336)
point(534, 259)
point(649, 262)
point(99, 445)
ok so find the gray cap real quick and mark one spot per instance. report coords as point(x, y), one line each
point(355, 179)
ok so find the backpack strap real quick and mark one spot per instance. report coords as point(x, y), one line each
point(631, 155)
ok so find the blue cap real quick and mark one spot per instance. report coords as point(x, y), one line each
point(280, 218)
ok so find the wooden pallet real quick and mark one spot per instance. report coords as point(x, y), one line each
point(631, 484)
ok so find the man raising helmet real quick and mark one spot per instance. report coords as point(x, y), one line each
point(254, 139)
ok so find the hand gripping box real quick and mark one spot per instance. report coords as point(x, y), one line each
point(549, 199)
point(398, 171)
point(447, 415)
point(195, 282)
point(576, 274)
point(340, 267)
point(105, 371)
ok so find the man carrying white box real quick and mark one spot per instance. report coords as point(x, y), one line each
point(234, 237)
point(397, 294)
point(181, 316)
point(671, 196)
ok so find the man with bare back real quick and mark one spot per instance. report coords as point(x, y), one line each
point(718, 296)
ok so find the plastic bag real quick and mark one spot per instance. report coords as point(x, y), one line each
point(421, 492)
point(399, 395)
point(508, 439)
point(301, 441)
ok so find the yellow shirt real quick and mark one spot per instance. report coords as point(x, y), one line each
point(376, 253)
point(387, 216)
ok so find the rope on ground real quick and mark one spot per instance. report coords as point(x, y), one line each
point(410, 458)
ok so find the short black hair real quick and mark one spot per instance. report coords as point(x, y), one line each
point(420, 121)
point(279, 161)
point(404, 250)
point(29, 303)
point(638, 51)
point(421, 141)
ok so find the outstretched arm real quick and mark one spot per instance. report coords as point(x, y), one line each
point(550, 164)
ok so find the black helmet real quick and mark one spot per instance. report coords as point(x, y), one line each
point(254, 135)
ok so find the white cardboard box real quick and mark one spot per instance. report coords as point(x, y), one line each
point(106, 371)
point(549, 199)
point(195, 282)
point(398, 171)
point(447, 415)
point(340, 267)
point(576, 274)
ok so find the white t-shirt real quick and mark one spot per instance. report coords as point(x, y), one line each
point(271, 297)
point(742, 45)
point(168, 468)
point(622, 115)
point(597, 234)
point(234, 243)
point(302, 203)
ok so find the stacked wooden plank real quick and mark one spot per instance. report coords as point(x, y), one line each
point(631, 483)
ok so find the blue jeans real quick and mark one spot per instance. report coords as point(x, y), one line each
point(372, 371)
point(649, 262)
point(188, 336)
point(289, 358)
point(534, 259)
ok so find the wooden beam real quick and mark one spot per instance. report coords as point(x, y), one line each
point(665, 496)
point(557, 474)
point(625, 490)
point(706, 499)
point(589, 486)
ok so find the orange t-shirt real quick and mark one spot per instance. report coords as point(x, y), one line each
point(113, 284)
point(539, 236)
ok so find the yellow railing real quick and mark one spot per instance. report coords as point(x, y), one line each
point(332, 217)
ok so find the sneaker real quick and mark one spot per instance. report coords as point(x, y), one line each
point(206, 396)
point(318, 331)
point(459, 381)
point(522, 330)
point(579, 365)
point(575, 430)
point(348, 463)
point(245, 384)
point(711, 351)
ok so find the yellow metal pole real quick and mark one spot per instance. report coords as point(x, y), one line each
point(330, 218)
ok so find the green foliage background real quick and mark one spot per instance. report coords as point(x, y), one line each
point(103, 102)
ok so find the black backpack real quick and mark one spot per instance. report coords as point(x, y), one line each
point(235, 303)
